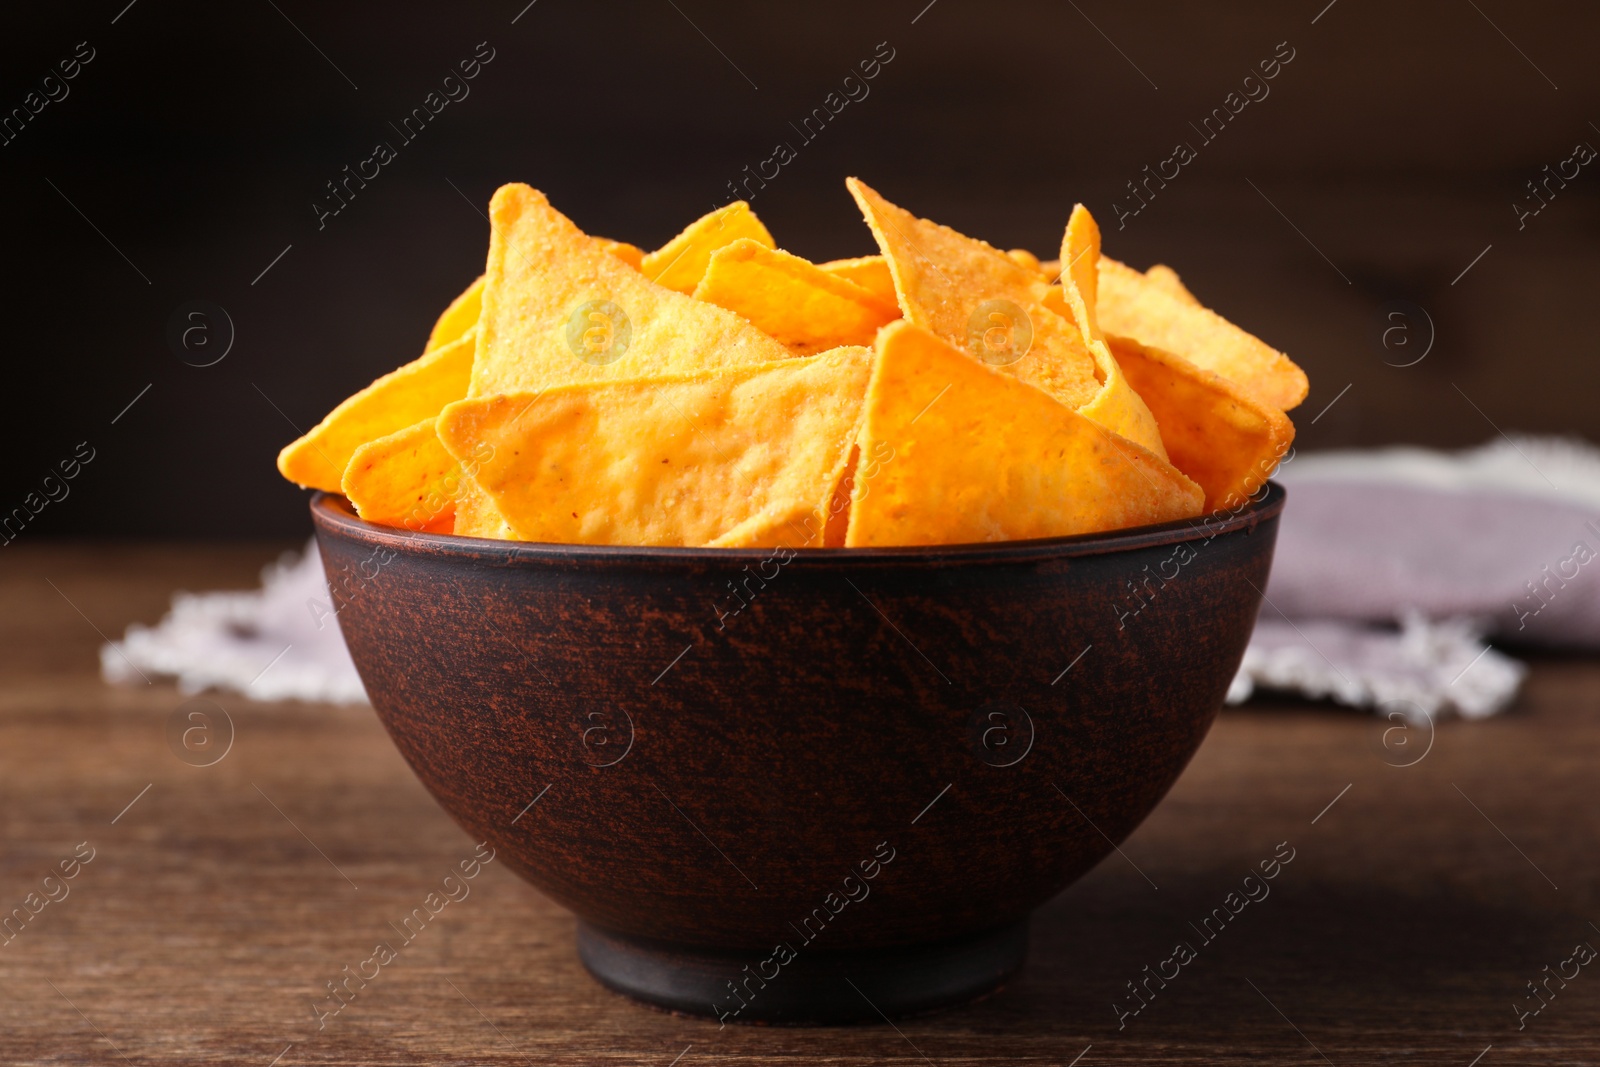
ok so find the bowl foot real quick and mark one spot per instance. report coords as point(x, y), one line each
point(803, 985)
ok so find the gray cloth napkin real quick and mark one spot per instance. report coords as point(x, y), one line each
point(1392, 564)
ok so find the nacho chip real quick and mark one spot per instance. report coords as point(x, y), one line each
point(977, 298)
point(963, 453)
point(791, 299)
point(399, 399)
point(476, 515)
point(1166, 279)
point(458, 318)
point(968, 293)
point(558, 309)
point(1132, 306)
point(667, 461)
point(1216, 431)
point(1080, 254)
point(405, 479)
point(632, 255)
point(1118, 406)
point(1025, 258)
point(839, 506)
point(780, 526)
point(681, 262)
point(869, 272)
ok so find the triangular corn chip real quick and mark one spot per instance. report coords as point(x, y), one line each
point(1025, 258)
point(1080, 252)
point(667, 461)
point(962, 453)
point(681, 262)
point(791, 299)
point(839, 506)
point(632, 255)
point(869, 272)
point(476, 515)
point(399, 399)
point(1216, 431)
point(1118, 406)
point(405, 479)
point(558, 309)
point(962, 289)
point(781, 525)
point(1131, 305)
point(1166, 279)
point(458, 318)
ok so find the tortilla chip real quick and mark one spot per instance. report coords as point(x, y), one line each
point(399, 399)
point(1025, 258)
point(559, 309)
point(869, 272)
point(1132, 306)
point(476, 515)
point(838, 526)
point(1118, 406)
point(667, 461)
point(965, 291)
point(1216, 431)
point(1166, 279)
point(1080, 252)
point(681, 262)
point(405, 479)
point(458, 318)
point(632, 255)
point(791, 299)
point(962, 453)
point(780, 526)
point(954, 286)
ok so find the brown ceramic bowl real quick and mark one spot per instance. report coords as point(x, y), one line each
point(806, 789)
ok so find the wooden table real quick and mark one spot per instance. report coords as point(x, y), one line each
point(1420, 902)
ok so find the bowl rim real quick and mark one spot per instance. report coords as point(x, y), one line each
point(332, 514)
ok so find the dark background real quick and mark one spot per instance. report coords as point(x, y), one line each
point(1388, 155)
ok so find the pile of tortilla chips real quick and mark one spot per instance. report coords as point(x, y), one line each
point(722, 392)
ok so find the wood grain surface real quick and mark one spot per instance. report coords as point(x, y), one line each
point(1420, 901)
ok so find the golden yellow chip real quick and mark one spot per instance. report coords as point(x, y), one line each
point(869, 272)
point(1216, 432)
point(558, 309)
point(1131, 305)
point(954, 452)
point(780, 526)
point(399, 399)
point(476, 515)
point(1000, 311)
point(632, 255)
point(1025, 258)
point(1166, 279)
point(1080, 252)
point(458, 318)
point(1117, 406)
point(405, 479)
point(667, 461)
point(791, 299)
point(681, 262)
point(977, 298)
